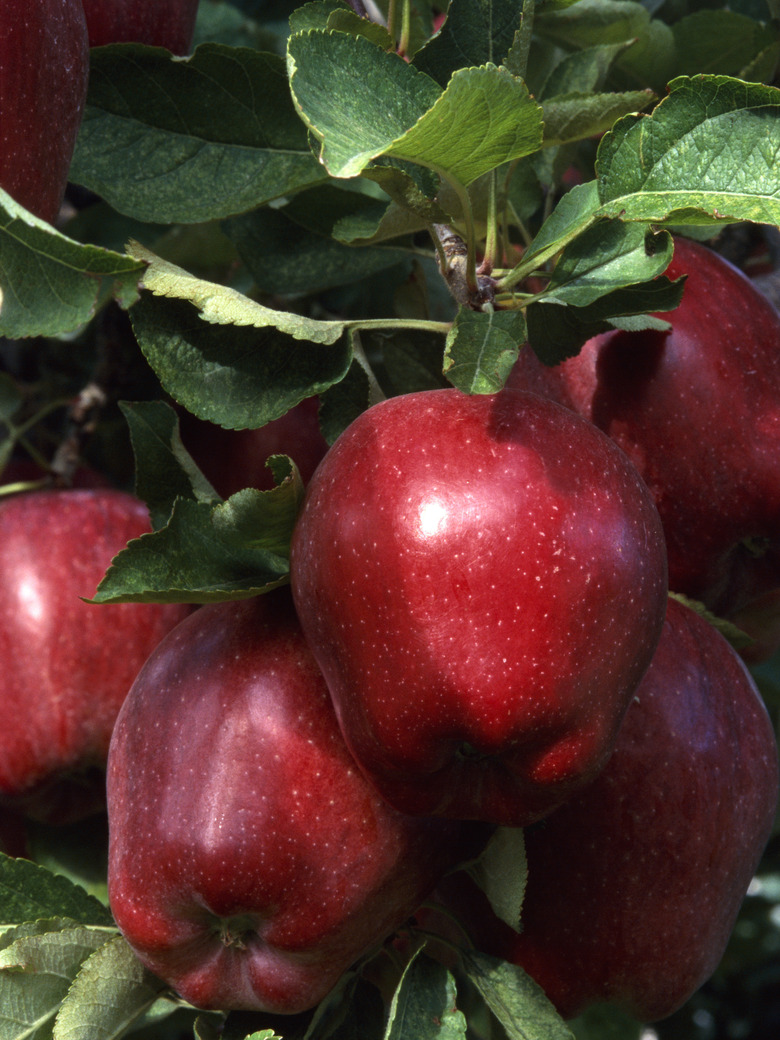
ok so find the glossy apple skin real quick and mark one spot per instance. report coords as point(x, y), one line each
point(44, 65)
point(250, 864)
point(236, 459)
point(159, 23)
point(67, 665)
point(483, 582)
point(697, 409)
point(635, 884)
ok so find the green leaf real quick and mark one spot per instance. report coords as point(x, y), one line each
point(583, 71)
point(515, 999)
point(484, 118)
point(481, 349)
point(165, 470)
point(344, 402)
point(111, 991)
point(475, 32)
point(221, 305)
point(341, 85)
point(608, 256)
point(171, 140)
point(502, 872)
point(590, 23)
point(38, 963)
point(239, 378)
point(423, 1006)
point(29, 892)
point(287, 258)
point(207, 553)
point(722, 42)
point(556, 332)
point(575, 117)
point(349, 22)
point(575, 212)
point(50, 284)
point(315, 15)
point(708, 153)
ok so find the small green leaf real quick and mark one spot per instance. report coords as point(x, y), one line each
point(708, 153)
point(236, 377)
point(502, 872)
point(481, 349)
point(171, 140)
point(424, 1004)
point(575, 212)
point(484, 118)
point(286, 258)
point(165, 470)
point(221, 305)
point(475, 32)
point(556, 332)
point(589, 23)
point(50, 284)
point(341, 85)
point(29, 892)
point(344, 402)
point(110, 992)
point(515, 999)
point(575, 117)
point(722, 42)
point(608, 256)
point(208, 553)
point(582, 71)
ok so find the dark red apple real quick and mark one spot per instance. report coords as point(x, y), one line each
point(250, 864)
point(483, 583)
point(159, 23)
point(236, 459)
point(44, 65)
point(67, 664)
point(697, 409)
point(635, 884)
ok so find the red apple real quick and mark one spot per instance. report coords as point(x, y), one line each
point(159, 23)
point(250, 864)
point(236, 459)
point(635, 884)
point(483, 582)
point(697, 409)
point(67, 664)
point(44, 65)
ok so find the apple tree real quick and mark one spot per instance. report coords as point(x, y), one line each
point(278, 232)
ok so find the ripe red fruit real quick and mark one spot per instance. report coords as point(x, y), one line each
point(482, 581)
point(249, 861)
point(236, 459)
point(159, 23)
point(697, 409)
point(635, 884)
point(44, 65)
point(67, 665)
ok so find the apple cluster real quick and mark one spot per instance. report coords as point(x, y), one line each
point(478, 635)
